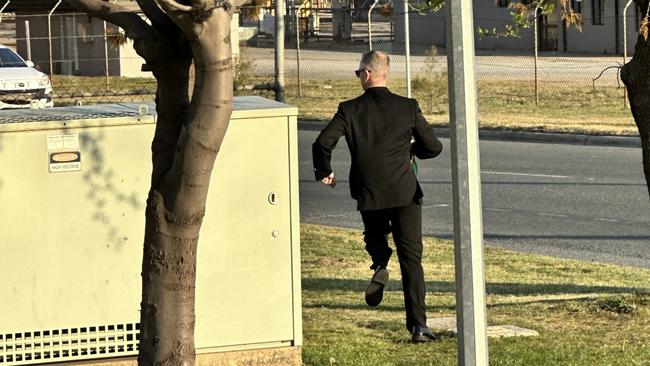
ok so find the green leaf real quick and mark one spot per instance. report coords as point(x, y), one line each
point(435, 5)
point(548, 8)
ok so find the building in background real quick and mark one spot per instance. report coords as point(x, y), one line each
point(79, 45)
point(602, 28)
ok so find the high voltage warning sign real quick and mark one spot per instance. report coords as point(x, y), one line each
point(65, 161)
point(66, 156)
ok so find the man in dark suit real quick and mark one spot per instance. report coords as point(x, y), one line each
point(379, 127)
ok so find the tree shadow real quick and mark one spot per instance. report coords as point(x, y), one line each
point(102, 186)
point(580, 293)
point(503, 288)
point(100, 182)
point(361, 305)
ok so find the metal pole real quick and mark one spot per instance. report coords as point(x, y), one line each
point(466, 183)
point(49, 35)
point(106, 54)
point(75, 44)
point(298, 46)
point(625, 45)
point(3, 9)
point(370, 25)
point(617, 36)
point(28, 40)
point(536, 36)
point(279, 50)
point(407, 49)
point(625, 31)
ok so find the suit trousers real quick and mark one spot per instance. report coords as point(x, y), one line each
point(405, 223)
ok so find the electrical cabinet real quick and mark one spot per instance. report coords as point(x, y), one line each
point(73, 187)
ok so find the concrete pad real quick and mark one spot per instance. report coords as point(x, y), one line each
point(281, 356)
point(448, 324)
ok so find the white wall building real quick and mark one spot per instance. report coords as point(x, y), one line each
point(602, 28)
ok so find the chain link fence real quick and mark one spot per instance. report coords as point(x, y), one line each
point(90, 61)
point(87, 60)
point(506, 80)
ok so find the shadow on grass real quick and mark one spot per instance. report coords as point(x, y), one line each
point(361, 305)
point(332, 284)
point(434, 310)
point(334, 302)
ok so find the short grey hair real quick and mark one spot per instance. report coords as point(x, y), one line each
point(376, 61)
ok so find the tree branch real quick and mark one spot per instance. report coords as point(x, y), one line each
point(134, 26)
point(238, 3)
point(157, 16)
point(198, 6)
point(172, 5)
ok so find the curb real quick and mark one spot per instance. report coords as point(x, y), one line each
point(521, 136)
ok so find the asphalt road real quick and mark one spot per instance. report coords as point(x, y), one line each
point(570, 201)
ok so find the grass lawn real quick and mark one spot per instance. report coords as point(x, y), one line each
point(503, 104)
point(586, 313)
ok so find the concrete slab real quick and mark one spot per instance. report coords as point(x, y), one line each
point(448, 324)
point(282, 356)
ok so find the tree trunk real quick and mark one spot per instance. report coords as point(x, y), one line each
point(636, 77)
point(182, 167)
point(187, 139)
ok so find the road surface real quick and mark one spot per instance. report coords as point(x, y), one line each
point(571, 201)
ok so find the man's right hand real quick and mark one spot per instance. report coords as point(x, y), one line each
point(330, 180)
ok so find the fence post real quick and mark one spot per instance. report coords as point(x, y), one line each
point(28, 40)
point(298, 45)
point(625, 46)
point(536, 36)
point(370, 25)
point(49, 35)
point(75, 44)
point(3, 9)
point(106, 54)
point(407, 48)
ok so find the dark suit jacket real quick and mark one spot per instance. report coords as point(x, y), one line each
point(378, 127)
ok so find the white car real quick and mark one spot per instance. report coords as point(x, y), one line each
point(21, 85)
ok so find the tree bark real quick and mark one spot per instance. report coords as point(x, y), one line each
point(636, 77)
point(177, 200)
point(186, 142)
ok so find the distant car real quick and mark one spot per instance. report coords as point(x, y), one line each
point(21, 85)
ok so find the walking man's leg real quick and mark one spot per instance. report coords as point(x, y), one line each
point(377, 227)
point(407, 232)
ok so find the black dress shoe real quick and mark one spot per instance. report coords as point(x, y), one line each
point(375, 290)
point(422, 334)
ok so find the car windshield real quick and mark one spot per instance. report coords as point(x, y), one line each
point(9, 59)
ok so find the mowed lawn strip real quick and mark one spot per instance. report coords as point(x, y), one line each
point(586, 313)
point(502, 104)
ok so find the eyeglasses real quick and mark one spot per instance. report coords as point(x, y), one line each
point(358, 72)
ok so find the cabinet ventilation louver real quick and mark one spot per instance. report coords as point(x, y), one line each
point(70, 344)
